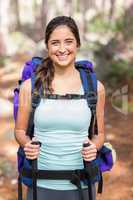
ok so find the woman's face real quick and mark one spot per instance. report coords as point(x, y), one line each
point(62, 46)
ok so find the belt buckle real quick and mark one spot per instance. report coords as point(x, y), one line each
point(75, 178)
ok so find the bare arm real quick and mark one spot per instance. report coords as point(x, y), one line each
point(98, 140)
point(31, 150)
point(23, 113)
point(89, 153)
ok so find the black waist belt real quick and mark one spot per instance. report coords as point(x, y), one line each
point(75, 177)
point(54, 174)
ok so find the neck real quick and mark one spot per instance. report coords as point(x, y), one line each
point(65, 71)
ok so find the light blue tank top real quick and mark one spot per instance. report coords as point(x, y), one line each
point(61, 126)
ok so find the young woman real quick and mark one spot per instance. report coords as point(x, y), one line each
point(60, 125)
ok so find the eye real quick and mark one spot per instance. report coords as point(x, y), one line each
point(55, 43)
point(69, 41)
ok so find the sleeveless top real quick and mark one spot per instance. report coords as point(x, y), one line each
point(61, 125)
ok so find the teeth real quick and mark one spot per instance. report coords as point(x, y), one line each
point(62, 57)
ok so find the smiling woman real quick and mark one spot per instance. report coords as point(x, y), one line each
point(62, 128)
point(62, 41)
point(62, 48)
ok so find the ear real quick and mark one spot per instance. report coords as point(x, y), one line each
point(78, 47)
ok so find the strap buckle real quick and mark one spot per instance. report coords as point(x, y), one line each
point(76, 181)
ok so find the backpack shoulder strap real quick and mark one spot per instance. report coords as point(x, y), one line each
point(86, 67)
point(35, 101)
point(89, 82)
point(30, 66)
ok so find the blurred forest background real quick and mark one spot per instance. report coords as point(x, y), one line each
point(106, 29)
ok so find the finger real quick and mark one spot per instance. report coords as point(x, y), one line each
point(92, 146)
point(84, 152)
point(29, 149)
point(89, 159)
point(32, 154)
point(90, 155)
point(89, 149)
point(32, 146)
point(31, 157)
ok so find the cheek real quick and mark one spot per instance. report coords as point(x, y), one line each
point(52, 51)
point(72, 49)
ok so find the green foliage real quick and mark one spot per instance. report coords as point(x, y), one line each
point(130, 107)
point(3, 60)
point(119, 25)
point(100, 24)
point(120, 71)
point(118, 68)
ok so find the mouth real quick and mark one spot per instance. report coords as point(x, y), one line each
point(62, 57)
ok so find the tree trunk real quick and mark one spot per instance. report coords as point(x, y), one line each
point(44, 11)
point(16, 24)
point(69, 7)
point(84, 7)
point(90, 3)
point(4, 26)
point(103, 6)
point(112, 9)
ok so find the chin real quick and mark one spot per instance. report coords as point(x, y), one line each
point(64, 63)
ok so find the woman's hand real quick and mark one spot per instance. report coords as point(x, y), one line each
point(89, 153)
point(31, 150)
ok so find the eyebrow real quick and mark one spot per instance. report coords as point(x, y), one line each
point(56, 40)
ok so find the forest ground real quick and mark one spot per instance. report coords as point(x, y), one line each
point(118, 184)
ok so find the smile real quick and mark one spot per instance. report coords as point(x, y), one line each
point(62, 57)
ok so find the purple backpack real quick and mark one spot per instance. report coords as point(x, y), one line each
point(105, 158)
point(27, 72)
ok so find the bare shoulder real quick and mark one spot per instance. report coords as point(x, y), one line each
point(25, 93)
point(26, 86)
point(101, 96)
point(100, 88)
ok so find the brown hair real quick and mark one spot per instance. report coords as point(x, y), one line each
point(45, 71)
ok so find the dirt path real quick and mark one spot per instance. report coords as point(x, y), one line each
point(118, 184)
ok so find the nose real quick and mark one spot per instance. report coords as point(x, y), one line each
point(62, 48)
